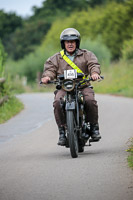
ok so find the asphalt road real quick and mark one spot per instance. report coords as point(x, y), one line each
point(33, 167)
point(38, 109)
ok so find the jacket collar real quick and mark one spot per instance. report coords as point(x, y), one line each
point(78, 53)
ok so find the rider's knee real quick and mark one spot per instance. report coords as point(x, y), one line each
point(56, 103)
point(90, 102)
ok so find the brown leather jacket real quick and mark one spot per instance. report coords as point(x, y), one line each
point(84, 59)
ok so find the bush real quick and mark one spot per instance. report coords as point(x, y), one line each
point(99, 49)
point(2, 58)
point(31, 64)
point(127, 51)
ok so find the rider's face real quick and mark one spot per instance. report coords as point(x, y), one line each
point(70, 46)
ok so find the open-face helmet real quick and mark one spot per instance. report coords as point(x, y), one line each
point(70, 34)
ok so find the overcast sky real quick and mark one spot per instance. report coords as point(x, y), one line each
point(20, 7)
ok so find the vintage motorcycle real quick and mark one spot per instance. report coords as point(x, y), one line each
point(77, 130)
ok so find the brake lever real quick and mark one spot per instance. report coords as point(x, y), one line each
point(101, 78)
point(90, 79)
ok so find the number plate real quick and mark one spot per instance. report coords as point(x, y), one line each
point(70, 74)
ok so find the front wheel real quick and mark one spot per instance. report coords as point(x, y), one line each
point(72, 135)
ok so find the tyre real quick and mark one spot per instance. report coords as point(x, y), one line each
point(72, 135)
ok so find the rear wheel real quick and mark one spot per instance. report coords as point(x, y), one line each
point(72, 135)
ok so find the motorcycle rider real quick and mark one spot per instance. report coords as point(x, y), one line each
point(88, 63)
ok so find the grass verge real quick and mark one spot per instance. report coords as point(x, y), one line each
point(118, 80)
point(10, 108)
point(130, 156)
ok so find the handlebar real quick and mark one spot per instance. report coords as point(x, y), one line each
point(85, 80)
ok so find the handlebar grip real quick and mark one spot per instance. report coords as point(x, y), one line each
point(90, 79)
point(49, 82)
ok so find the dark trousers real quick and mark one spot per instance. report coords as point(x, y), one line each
point(90, 106)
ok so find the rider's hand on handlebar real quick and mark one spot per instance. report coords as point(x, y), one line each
point(45, 80)
point(95, 76)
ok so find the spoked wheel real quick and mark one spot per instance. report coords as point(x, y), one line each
point(72, 135)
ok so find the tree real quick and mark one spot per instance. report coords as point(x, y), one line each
point(34, 29)
point(21, 37)
point(24, 40)
point(94, 3)
point(8, 23)
point(112, 22)
point(51, 8)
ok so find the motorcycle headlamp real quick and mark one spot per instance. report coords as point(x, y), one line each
point(68, 85)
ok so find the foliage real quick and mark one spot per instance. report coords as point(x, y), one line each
point(52, 9)
point(112, 22)
point(127, 51)
point(24, 40)
point(10, 108)
point(106, 18)
point(17, 84)
point(2, 58)
point(94, 3)
point(20, 37)
point(4, 87)
point(103, 54)
point(8, 23)
point(130, 159)
point(115, 27)
point(118, 79)
point(30, 65)
point(13, 105)
point(89, 25)
point(130, 150)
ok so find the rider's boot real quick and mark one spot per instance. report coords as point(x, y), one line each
point(62, 136)
point(94, 129)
